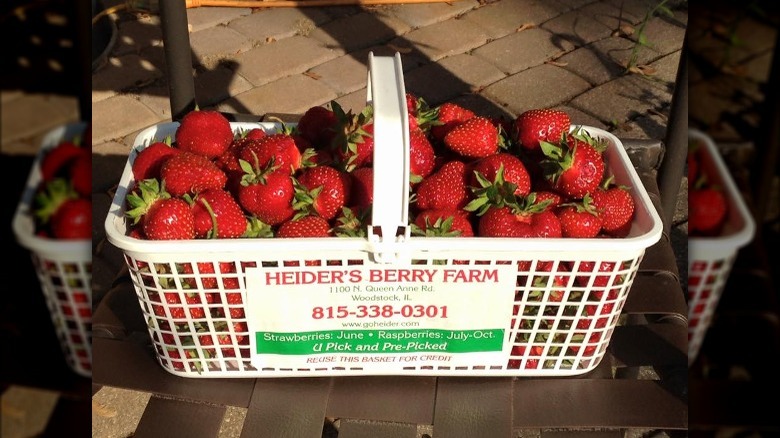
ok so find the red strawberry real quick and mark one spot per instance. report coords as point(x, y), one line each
point(235, 302)
point(475, 138)
point(57, 159)
point(616, 209)
point(307, 226)
point(579, 219)
point(218, 215)
point(530, 364)
point(353, 144)
point(422, 157)
point(600, 281)
point(60, 213)
point(255, 134)
point(203, 132)
point(447, 116)
point(446, 188)
point(189, 173)
point(352, 222)
point(707, 210)
point(442, 223)
point(317, 125)
point(169, 219)
point(538, 125)
point(421, 116)
point(269, 196)
point(575, 166)
point(514, 172)
point(278, 151)
point(148, 161)
point(362, 187)
point(322, 190)
point(80, 173)
point(512, 222)
point(72, 220)
point(551, 198)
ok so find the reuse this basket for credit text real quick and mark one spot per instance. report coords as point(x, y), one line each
point(389, 304)
point(710, 259)
point(64, 268)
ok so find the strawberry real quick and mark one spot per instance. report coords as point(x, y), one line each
point(446, 117)
point(353, 144)
point(442, 223)
point(575, 165)
point(352, 222)
point(519, 221)
point(530, 364)
point(57, 159)
point(513, 171)
point(235, 302)
point(420, 115)
point(141, 198)
point(218, 215)
point(537, 125)
point(266, 195)
point(579, 219)
point(616, 208)
point(255, 134)
point(707, 210)
point(60, 212)
point(552, 199)
point(446, 188)
point(148, 161)
point(80, 173)
point(189, 173)
point(322, 190)
point(306, 226)
point(599, 281)
point(475, 138)
point(169, 219)
point(318, 126)
point(362, 187)
point(422, 157)
point(203, 132)
point(73, 220)
point(277, 151)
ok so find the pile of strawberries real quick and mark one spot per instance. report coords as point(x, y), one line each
point(62, 205)
point(533, 176)
point(707, 203)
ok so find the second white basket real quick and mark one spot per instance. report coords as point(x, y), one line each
point(64, 268)
point(710, 259)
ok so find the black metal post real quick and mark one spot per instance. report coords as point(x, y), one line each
point(672, 166)
point(768, 142)
point(83, 37)
point(178, 58)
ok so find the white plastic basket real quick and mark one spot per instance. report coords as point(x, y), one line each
point(517, 321)
point(64, 268)
point(710, 259)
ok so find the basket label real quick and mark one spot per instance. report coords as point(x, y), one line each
point(368, 316)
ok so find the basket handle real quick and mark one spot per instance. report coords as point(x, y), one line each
point(389, 227)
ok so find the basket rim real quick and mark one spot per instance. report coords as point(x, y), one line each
point(738, 238)
point(23, 225)
point(115, 220)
